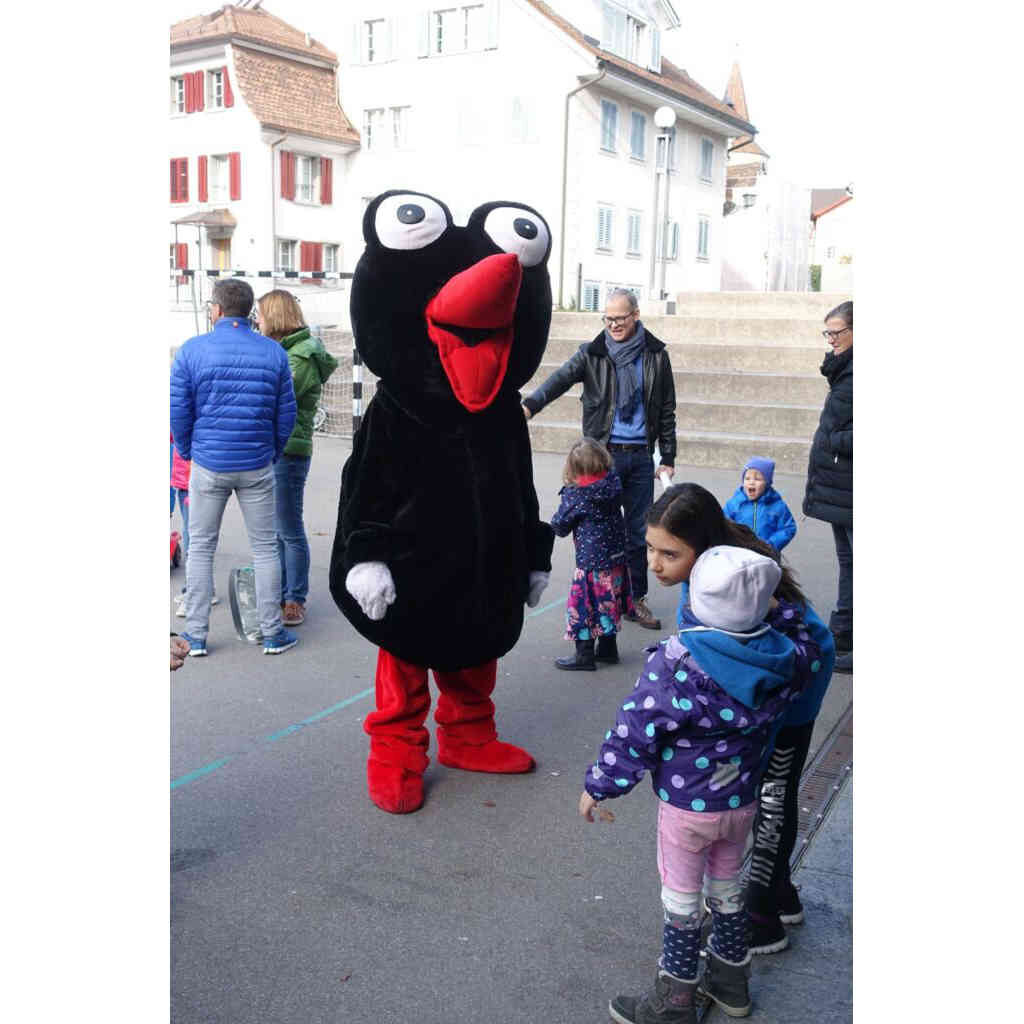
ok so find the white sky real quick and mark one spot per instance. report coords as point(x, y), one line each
point(795, 63)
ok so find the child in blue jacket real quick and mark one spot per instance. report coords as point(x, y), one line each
point(700, 719)
point(758, 505)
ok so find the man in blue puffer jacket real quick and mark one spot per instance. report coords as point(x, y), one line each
point(232, 412)
point(758, 505)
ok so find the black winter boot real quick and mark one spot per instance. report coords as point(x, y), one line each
point(581, 661)
point(671, 1001)
point(607, 650)
point(726, 984)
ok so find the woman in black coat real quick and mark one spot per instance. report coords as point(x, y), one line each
point(829, 493)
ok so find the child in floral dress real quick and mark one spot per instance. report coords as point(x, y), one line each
point(600, 594)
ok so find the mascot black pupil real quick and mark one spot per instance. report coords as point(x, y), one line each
point(412, 214)
point(525, 228)
point(440, 543)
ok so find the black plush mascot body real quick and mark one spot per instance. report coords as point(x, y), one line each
point(439, 541)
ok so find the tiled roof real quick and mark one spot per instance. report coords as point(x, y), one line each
point(815, 214)
point(736, 97)
point(672, 80)
point(292, 96)
point(823, 199)
point(257, 25)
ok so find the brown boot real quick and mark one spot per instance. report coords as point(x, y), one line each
point(293, 613)
point(643, 616)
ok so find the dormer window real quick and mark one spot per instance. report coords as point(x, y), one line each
point(215, 89)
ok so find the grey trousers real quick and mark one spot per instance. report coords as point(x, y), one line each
point(208, 494)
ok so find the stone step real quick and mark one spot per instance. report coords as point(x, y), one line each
point(771, 330)
point(726, 386)
point(718, 357)
point(814, 305)
point(713, 417)
point(719, 451)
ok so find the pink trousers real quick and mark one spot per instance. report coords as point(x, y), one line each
point(690, 844)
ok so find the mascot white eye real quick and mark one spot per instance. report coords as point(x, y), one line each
point(519, 232)
point(409, 221)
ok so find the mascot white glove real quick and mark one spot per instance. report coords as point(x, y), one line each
point(538, 581)
point(370, 583)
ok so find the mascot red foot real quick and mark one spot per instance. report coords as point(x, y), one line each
point(439, 540)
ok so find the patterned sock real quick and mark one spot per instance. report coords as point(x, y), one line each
point(729, 935)
point(680, 952)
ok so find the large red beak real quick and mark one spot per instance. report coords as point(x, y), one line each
point(470, 322)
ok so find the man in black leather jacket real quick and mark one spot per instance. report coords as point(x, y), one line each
point(629, 404)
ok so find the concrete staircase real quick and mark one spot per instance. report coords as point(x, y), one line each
point(746, 375)
point(745, 367)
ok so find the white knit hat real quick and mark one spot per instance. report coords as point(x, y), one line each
point(730, 588)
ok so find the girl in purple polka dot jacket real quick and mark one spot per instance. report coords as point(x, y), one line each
point(700, 719)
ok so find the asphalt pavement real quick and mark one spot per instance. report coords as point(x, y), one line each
point(294, 900)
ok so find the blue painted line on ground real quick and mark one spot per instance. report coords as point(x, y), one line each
point(289, 730)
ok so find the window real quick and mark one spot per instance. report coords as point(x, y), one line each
point(673, 156)
point(215, 85)
point(591, 297)
point(375, 39)
point(400, 127)
point(308, 179)
point(285, 254)
point(218, 179)
point(458, 29)
point(609, 125)
point(637, 135)
point(373, 128)
point(830, 252)
point(605, 215)
point(331, 258)
point(178, 95)
point(703, 229)
point(633, 229)
point(707, 155)
point(636, 40)
point(179, 180)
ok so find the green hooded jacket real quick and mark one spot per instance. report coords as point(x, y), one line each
point(311, 365)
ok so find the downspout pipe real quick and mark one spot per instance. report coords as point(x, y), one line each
point(273, 203)
point(565, 174)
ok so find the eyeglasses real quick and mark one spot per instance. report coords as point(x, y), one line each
point(832, 335)
point(615, 321)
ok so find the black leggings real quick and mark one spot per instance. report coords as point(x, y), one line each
point(776, 823)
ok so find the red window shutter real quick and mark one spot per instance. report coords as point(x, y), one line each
point(229, 96)
point(181, 257)
point(174, 181)
point(235, 175)
point(179, 180)
point(200, 77)
point(287, 175)
point(326, 182)
point(187, 79)
point(303, 256)
point(317, 254)
point(202, 179)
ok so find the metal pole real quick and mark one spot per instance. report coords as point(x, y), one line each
point(357, 391)
point(579, 287)
point(665, 241)
point(654, 219)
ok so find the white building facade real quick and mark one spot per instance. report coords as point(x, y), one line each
point(551, 105)
point(257, 147)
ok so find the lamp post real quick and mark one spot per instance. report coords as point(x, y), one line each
point(664, 120)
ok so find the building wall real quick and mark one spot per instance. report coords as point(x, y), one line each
point(834, 238)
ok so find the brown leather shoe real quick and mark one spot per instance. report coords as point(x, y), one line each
point(293, 613)
point(642, 615)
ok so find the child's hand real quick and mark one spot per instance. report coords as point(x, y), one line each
point(179, 651)
point(587, 803)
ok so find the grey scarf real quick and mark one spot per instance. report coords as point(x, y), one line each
point(623, 354)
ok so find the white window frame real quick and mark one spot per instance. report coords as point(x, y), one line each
point(611, 108)
point(703, 238)
point(672, 144)
point(634, 232)
point(215, 89)
point(672, 252)
point(332, 256)
point(637, 290)
point(707, 146)
point(218, 178)
point(605, 219)
point(471, 45)
point(400, 127)
point(636, 40)
point(373, 117)
point(312, 197)
point(371, 55)
point(177, 95)
point(286, 248)
point(591, 288)
point(633, 115)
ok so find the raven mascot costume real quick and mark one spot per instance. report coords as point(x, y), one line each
point(439, 540)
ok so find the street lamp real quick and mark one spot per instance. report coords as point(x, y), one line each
point(664, 120)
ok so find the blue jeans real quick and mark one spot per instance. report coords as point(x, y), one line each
point(181, 493)
point(635, 469)
point(290, 472)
